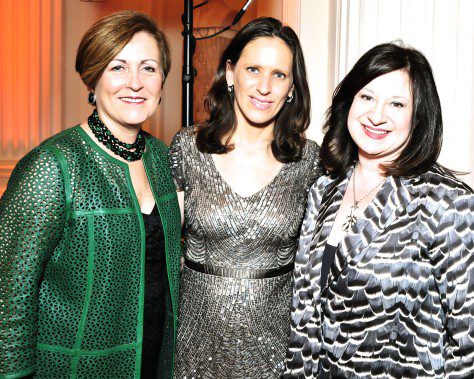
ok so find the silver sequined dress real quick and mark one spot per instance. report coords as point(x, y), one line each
point(228, 327)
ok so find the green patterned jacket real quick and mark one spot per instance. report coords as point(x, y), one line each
point(72, 254)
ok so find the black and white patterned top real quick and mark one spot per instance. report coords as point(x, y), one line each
point(399, 300)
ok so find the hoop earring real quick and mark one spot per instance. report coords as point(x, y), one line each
point(289, 99)
point(91, 98)
point(230, 88)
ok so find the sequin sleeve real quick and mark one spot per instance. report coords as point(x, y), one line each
point(317, 168)
point(32, 217)
point(453, 254)
point(176, 161)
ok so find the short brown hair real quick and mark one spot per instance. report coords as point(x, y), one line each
point(107, 37)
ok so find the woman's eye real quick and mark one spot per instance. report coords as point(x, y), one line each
point(397, 104)
point(253, 70)
point(149, 69)
point(280, 75)
point(117, 68)
point(366, 97)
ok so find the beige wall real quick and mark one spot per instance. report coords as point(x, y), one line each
point(62, 95)
point(318, 42)
point(30, 77)
point(170, 122)
point(334, 33)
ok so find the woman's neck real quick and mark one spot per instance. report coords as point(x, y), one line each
point(127, 134)
point(249, 135)
point(369, 170)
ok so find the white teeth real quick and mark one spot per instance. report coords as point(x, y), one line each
point(132, 100)
point(375, 131)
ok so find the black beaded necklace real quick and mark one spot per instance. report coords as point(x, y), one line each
point(112, 143)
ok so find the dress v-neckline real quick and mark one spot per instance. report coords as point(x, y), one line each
point(259, 191)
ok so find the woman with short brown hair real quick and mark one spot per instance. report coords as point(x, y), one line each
point(89, 249)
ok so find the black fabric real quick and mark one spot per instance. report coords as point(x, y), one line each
point(328, 257)
point(155, 293)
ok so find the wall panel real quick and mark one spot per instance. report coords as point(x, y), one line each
point(30, 77)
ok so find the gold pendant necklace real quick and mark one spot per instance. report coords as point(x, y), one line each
point(351, 219)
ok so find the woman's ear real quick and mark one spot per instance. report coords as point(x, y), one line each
point(229, 73)
point(290, 92)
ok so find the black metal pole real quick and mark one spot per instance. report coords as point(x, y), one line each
point(188, 69)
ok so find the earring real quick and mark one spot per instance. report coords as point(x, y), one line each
point(289, 98)
point(91, 98)
point(230, 88)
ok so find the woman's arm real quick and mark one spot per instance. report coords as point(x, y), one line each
point(32, 217)
point(453, 254)
point(175, 156)
point(303, 348)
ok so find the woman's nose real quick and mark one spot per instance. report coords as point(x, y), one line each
point(134, 81)
point(265, 85)
point(377, 115)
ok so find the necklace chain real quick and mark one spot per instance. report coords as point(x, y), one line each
point(351, 219)
point(128, 151)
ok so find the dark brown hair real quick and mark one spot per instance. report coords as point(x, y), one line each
point(292, 120)
point(107, 37)
point(338, 150)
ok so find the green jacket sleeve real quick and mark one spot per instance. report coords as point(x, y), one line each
point(32, 219)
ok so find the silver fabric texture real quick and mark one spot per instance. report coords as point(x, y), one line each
point(399, 301)
point(236, 328)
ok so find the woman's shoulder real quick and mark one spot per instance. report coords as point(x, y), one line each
point(310, 159)
point(185, 135)
point(310, 150)
point(322, 182)
point(69, 143)
point(439, 181)
point(311, 144)
point(58, 144)
point(43, 162)
point(184, 141)
point(155, 143)
point(64, 138)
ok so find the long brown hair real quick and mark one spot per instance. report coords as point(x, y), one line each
point(292, 120)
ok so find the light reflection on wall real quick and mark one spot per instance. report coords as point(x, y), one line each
point(30, 77)
point(40, 92)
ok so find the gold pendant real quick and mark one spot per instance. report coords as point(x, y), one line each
point(351, 219)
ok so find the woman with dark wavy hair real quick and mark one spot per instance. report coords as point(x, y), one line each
point(384, 279)
point(244, 176)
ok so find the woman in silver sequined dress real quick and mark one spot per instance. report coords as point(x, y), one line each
point(245, 176)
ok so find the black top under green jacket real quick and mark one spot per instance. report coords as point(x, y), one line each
point(72, 254)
